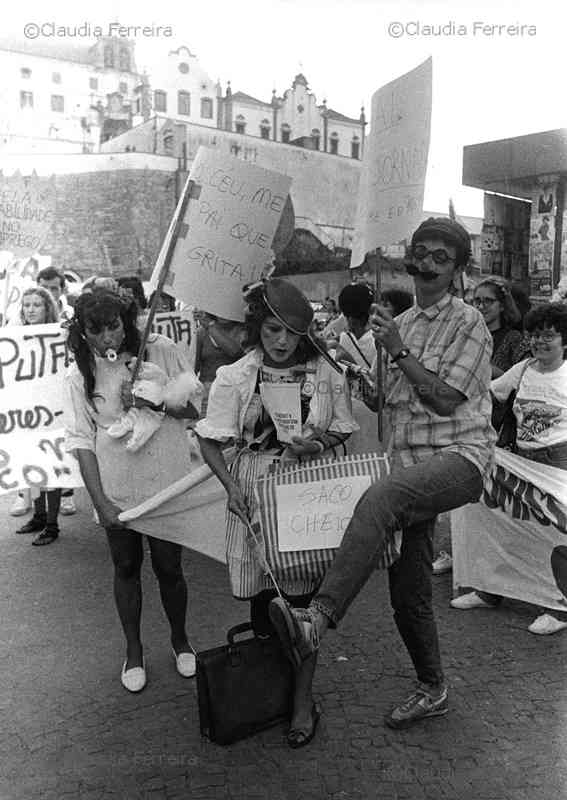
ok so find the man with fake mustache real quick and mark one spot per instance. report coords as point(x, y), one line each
point(438, 402)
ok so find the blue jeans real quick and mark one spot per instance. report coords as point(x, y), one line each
point(409, 499)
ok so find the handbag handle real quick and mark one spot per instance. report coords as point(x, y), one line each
point(243, 627)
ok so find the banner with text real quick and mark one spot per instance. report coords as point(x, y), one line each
point(513, 543)
point(33, 360)
point(27, 212)
point(17, 275)
point(226, 240)
point(390, 200)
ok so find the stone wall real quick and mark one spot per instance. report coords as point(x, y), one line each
point(111, 212)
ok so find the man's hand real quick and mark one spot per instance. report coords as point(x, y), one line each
point(385, 330)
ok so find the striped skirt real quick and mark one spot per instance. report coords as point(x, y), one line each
point(297, 573)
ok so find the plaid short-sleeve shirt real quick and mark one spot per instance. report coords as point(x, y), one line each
point(451, 340)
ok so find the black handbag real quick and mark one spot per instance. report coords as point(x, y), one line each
point(243, 687)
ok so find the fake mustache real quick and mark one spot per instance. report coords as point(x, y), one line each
point(411, 269)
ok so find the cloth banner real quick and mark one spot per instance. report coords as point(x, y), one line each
point(309, 564)
point(33, 363)
point(513, 542)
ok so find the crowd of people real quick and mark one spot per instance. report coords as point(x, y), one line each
point(460, 377)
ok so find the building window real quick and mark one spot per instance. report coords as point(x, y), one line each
point(25, 72)
point(183, 68)
point(56, 77)
point(57, 102)
point(168, 144)
point(124, 60)
point(286, 132)
point(355, 147)
point(160, 101)
point(240, 124)
point(316, 138)
point(184, 103)
point(26, 99)
point(123, 88)
point(334, 144)
point(265, 129)
point(108, 56)
point(93, 83)
point(206, 108)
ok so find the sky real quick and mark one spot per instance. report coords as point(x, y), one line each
point(489, 82)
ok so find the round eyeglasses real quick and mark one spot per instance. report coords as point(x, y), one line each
point(544, 336)
point(439, 256)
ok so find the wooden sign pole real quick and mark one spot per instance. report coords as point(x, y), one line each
point(190, 191)
point(373, 259)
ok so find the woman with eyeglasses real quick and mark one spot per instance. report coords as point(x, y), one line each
point(540, 408)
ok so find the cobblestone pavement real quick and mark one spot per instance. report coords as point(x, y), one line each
point(70, 732)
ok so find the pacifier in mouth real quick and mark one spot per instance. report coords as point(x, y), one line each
point(111, 355)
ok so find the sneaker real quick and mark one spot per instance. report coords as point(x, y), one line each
point(443, 563)
point(470, 600)
point(21, 505)
point(546, 624)
point(419, 705)
point(296, 630)
point(68, 506)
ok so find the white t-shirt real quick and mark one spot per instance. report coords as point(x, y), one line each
point(540, 406)
point(365, 345)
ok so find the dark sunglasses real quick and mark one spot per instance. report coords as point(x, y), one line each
point(411, 269)
point(439, 256)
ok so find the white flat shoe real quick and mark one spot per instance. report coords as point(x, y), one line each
point(546, 624)
point(185, 663)
point(133, 679)
point(470, 600)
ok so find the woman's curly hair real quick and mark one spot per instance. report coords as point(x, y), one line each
point(96, 309)
point(256, 313)
point(548, 315)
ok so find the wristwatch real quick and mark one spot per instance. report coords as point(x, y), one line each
point(404, 353)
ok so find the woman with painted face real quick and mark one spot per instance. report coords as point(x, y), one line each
point(540, 407)
point(282, 350)
point(104, 338)
point(38, 308)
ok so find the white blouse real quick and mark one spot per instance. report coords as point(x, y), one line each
point(233, 390)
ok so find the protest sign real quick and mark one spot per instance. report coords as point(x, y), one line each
point(390, 200)
point(33, 363)
point(314, 515)
point(179, 326)
point(17, 275)
point(283, 403)
point(27, 212)
point(226, 239)
point(33, 360)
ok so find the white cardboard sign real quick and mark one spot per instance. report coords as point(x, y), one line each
point(227, 235)
point(392, 182)
point(314, 515)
